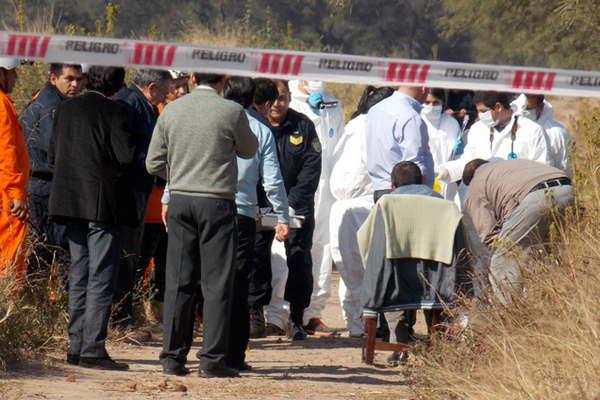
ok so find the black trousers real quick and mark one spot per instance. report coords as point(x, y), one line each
point(378, 193)
point(202, 245)
point(130, 268)
point(94, 259)
point(154, 246)
point(50, 238)
point(260, 274)
point(299, 286)
point(240, 321)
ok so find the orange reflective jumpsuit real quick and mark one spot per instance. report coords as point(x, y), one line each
point(14, 175)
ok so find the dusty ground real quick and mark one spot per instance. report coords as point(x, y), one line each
point(320, 368)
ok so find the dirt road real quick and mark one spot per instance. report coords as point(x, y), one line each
point(319, 368)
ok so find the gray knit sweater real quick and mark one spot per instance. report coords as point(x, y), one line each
point(199, 136)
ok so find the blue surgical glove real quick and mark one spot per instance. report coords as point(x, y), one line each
point(314, 101)
point(459, 146)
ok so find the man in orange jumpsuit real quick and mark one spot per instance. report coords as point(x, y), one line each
point(14, 175)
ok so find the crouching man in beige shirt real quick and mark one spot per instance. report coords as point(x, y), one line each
point(509, 205)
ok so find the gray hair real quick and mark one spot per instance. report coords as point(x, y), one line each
point(145, 77)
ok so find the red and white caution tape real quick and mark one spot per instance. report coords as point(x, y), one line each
point(293, 64)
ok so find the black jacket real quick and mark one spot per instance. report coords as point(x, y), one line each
point(142, 120)
point(89, 149)
point(299, 151)
point(37, 119)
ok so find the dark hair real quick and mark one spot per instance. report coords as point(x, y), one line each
point(439, 94)
point(265, 90)
point(538, 97)
point(283, 83)
point(371, 96)
point(489, 99)
point(58, 68)
point(239, 89)
point(406, 173)
point(144, 77)
point(106, 80)
point(470, 169)
point(207, 79)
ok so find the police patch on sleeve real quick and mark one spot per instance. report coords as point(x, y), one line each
point(316, 145)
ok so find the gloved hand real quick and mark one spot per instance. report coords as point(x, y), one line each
point(314, 101)
point(459, 146)
point(443, 174)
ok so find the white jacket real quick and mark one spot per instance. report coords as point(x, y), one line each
point(349, 175)
point(442, 138)
point(531, 143)
point(329, 125)
point(558, 137)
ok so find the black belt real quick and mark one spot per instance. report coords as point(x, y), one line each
point(552, 183)
point(43, 175)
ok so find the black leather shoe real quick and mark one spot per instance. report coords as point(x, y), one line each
point(244, 366)
point(105, 363)
point(218, 372)
point(73, 359)
point(296, 332)
point(257, 323)
point(179, 370)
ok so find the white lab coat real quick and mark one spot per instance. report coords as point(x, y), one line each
point(347, 216)
point(330, 128)
point(352, 188)
point(558, 137)
point(349, 176)
point(442, 137)
point(531, 143)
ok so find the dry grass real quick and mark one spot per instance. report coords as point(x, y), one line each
point(32, 322)
point(546, 345)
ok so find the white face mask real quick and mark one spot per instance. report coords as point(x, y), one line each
point(530, 113)
point(315, 86)
point(487, 119)
point(433, 113)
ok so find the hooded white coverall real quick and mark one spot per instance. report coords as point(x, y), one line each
point(558, 137)
point(443, 133)
point(352, 188)
point(330, 128)
point(530, 142)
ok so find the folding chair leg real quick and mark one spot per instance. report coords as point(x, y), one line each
point(369, 341)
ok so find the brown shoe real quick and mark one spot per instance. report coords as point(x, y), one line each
point(317, 327)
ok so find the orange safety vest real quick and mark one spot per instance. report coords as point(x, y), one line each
point(14, 175)
point(154, 208)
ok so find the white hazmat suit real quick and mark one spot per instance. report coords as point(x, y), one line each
point(529, 142)
point(352, 188)
point(443, 132)
point(558, 137)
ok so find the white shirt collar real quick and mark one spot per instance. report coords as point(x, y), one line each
point(206, 87)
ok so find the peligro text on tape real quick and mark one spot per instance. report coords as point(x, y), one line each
point(294, 64)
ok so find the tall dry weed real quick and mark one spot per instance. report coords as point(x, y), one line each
point(32, 317)
point(546, 344)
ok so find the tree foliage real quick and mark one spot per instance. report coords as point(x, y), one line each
point(554, 33)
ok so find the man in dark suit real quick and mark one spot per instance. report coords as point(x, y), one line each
point(148, 89)
point(89, 149)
